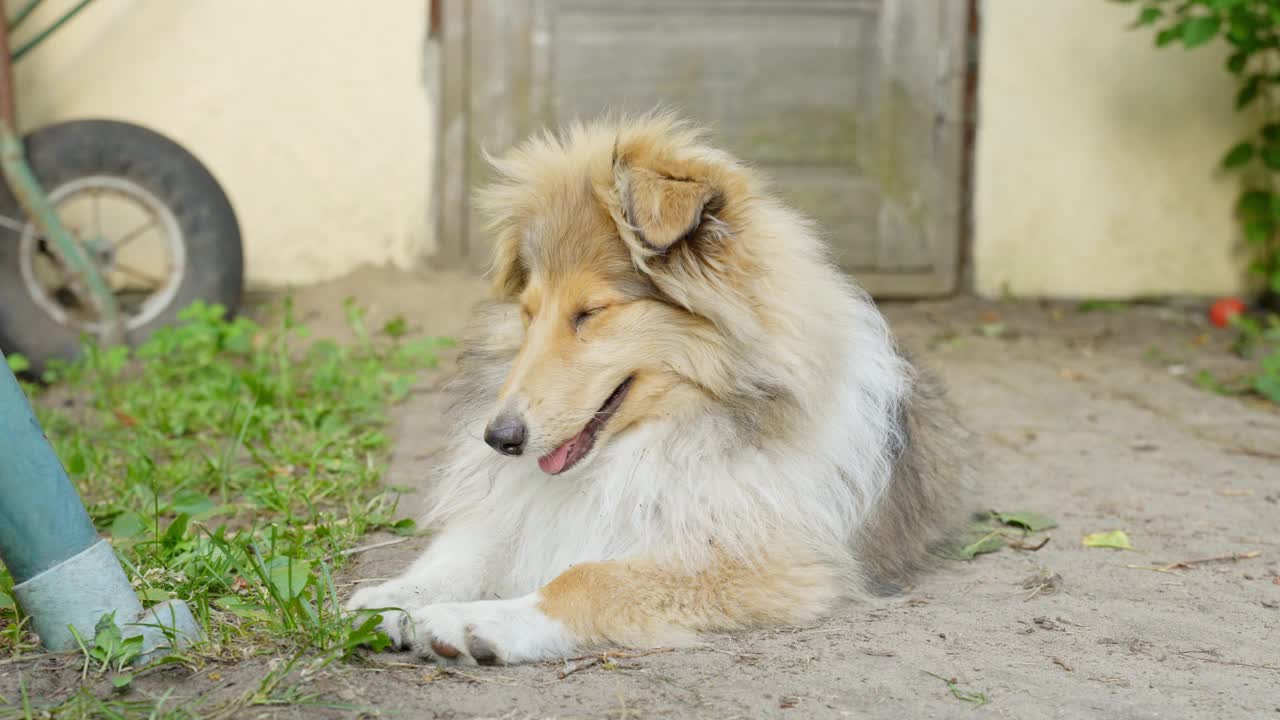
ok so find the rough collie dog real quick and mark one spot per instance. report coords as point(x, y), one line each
point(678, 418)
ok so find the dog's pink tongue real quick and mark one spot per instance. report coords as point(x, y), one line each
point(555, 461)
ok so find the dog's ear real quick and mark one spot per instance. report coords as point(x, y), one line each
point(663, 204)
point(508, 275)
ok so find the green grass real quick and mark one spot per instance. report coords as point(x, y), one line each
point(230, 464)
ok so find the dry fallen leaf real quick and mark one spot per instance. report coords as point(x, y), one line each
point(1070, 375)
point(1233, 492)
point(1115, 539)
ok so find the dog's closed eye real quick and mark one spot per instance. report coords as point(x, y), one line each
point(583, 315)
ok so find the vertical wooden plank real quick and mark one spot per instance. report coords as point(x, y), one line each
point(917, 164)
point(450, 188)
point(501, 49)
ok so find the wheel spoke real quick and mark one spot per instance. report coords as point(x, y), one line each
point(134, 234)
point(153, 282)
point(96, 197)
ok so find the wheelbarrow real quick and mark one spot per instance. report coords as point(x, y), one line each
point(107, 229)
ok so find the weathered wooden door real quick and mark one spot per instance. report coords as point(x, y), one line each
point(853, 107)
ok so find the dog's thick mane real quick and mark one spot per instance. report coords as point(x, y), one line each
point(816, 432)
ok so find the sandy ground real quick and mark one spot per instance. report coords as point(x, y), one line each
point(1087, 417)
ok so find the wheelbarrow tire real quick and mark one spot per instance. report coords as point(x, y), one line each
point(59, 154)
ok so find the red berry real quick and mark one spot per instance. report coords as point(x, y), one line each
point(1221, 312)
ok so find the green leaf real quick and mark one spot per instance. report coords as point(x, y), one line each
point(1268, 386)
point(1257, 232)
point(396, 327)
point(1271, 156)
point(1200, 30)
point(1207, 381)
point(128, 524)
point(1237, 63)
point(1238, 155)
point(1149, 15)
point(242, 609)
point(18, 363)
point(155, 595)
point(1087, 306)
point(76, 463)
point(1249, 92)
point(1168, 35)
point(992, 330)
point(1033, 522)
point(176, 531)
point(190, 502)
point(373, 440)
point(289, 577)
point(404, 527)
point(121, 682)
point(1274, 282)
point(6, 601)
point(107, 639)
point(981, 539)
point(1116, 539)
point(1254, 203)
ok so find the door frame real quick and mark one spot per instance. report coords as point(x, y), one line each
point(452, 84)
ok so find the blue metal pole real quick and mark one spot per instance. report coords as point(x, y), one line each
point(34, 490)
point(66, 578)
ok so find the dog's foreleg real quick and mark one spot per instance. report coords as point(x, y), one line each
point(638, 604)
point(458, 565)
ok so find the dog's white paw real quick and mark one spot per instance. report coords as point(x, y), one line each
point(383, 599)
point(489, 632)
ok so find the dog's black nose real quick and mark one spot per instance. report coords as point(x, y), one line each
point(506, 434)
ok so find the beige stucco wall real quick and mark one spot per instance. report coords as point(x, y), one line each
point(1096, 155)
point(1093, 170)
point(311, 113)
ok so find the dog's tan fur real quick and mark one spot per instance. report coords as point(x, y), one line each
point(629, 249)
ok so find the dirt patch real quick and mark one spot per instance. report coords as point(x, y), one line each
point(1087, 417)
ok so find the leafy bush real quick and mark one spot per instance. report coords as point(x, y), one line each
point(1252, 29)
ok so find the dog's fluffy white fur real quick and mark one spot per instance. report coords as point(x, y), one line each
point(798, 458)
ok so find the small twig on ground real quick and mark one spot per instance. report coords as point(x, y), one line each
point(970, 696)
point(366, 548)
point(1199, 655)
point(1045, 581)
point(37, 657)
point(364, 580)
point(1059, 662)
point(583, 662)
point(1019, 545)
point(486, 678)
point(1187, 564)
point(1254, 452)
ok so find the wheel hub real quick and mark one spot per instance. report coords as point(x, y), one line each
point(118, 223)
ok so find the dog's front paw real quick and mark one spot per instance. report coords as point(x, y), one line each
point(388, 600)
point(493, 632)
